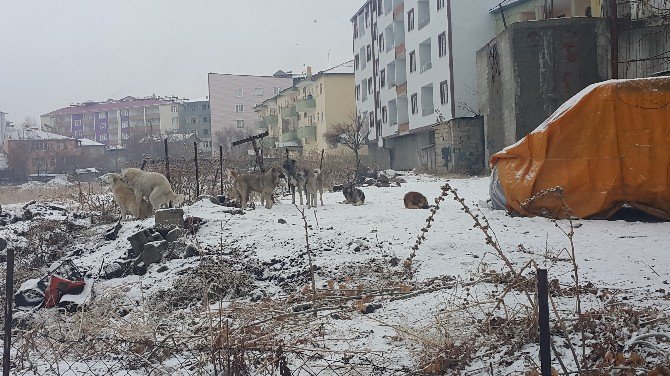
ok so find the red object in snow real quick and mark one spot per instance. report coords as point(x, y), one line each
point(58, 287)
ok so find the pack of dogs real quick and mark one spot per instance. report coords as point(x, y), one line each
point(139, 193)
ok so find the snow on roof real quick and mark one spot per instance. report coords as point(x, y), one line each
point(108, 106)
point(87, 142)
point(289, 144)
point(22, 133)
point(505, 4)
point(199, 99)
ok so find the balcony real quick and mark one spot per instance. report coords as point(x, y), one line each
point(426, 66)
point(269, 142)
point(399, 12)
point(289, 136)
point(424, 22)
point(270, 120)
point(403, 128)
point(261, 124)
point(308, 132)
point(289, 112)
point(427, 111)
point(401, 89)
point(390, 46)
point(305, 105)
point(400, 51)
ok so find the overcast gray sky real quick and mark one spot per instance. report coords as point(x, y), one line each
point(54, 53)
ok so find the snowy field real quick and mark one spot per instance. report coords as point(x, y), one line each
point(419, 312)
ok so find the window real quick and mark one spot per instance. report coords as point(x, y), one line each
point(240, 123)
point(444, 92)
point(276, 90)
point(380, 42)
point(124, 112)
point(321, 88)
point(440, 4)
point(368, 53)
point(77, 122)
point(356, 61)
point(238, 93)
point(412, 61)
point(175, 120)
point(355, 29)
point(205, 119)
point(125, 136)
point(103, 137)
point(194, 121)
point(258, 91)
point(410, 20)
point(358, 92)
point(192, 108)
point(204, 107)
point(173, 109)
point(442, 44)
point(370, 85)
point(125, 124)
point(415, 106)
point(205, 131)
point(239, 108)
point(384, 114)
point(382, 78)
point(367, 17)
point(379, 7)
point(102, 115)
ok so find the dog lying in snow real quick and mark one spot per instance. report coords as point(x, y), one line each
point(153, 186)
point(353, 195)
point(263, 183)
point(125, 197)
point(415, 200)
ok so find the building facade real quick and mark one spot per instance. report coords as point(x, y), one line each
point(298, 117)
point(115, 122)
point(415, 64)
point(195, 118)
point(232, 99)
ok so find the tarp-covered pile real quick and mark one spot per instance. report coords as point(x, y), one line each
point(607, 147)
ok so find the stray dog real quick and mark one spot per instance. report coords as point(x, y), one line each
point(415, 200)
point(264, 184)
point(313, 184)
point(152, 185)
point(125, 197)
point(353, 195)
point(295, 178)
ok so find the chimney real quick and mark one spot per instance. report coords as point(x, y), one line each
point(309, 72)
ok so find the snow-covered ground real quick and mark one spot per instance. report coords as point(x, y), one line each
point(363, 248)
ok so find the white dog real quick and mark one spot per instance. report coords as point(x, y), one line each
point(153, 186)
point(125, 197)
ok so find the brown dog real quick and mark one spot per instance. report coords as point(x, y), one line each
point(262, 183)
point(415, 200)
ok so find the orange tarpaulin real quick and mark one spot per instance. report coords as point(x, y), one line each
point(606, 147)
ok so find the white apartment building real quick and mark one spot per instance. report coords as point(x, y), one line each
point(415, 58)
point(232, 99)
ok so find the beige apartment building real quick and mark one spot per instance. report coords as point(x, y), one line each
point(298, 117)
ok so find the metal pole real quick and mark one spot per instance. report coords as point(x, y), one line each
point(197, 171)
point(543, 317)
point(614, 31)
point(9, 298)
point(221, 166)
point(167, 160)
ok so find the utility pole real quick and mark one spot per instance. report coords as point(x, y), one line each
point(614, 37)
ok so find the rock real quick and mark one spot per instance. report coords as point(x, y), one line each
point(113, 232)
point(191, 251)
point(370, 308)
point(368, 182)
point(180, 250)
point(281, 221)
point(175, 234)
point(169, 218)
point(140, 269)
point(138, 240)
point(382, 179)
point(162, 269)
point(192, 224)
point(153, 252)
point(113, 270)
point(209, 198)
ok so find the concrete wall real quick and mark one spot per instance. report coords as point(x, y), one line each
point(405, 152)
point(459, 144)
point(531, 68)
point(643, 48)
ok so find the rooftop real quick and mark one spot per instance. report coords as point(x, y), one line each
point(110, 105)
point(21, 133)
point(87, 142)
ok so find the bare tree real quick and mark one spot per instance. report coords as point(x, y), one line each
point(29, 122)
point(353, 135)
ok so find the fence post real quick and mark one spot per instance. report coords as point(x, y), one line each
point(543, 317)
point(167, 160)
point(221, 166)
point(197, 170)
point(9, 298)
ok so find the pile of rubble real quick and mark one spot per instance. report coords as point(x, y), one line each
point(381, 179)
point(165, 241)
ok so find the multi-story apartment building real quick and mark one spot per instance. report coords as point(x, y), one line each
point(298, 117)
point(3, 124)
point(414, 59)
point(115, 122)
point(195, 118)
point(232, 99)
